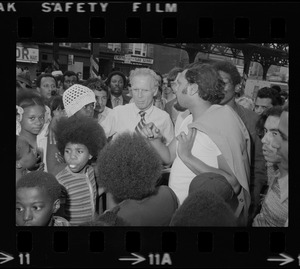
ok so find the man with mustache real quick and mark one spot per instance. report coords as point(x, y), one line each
point(116, 82)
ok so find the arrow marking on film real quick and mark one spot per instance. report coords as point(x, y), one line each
point(287, 259)
point(5, 257)
point(137, 259)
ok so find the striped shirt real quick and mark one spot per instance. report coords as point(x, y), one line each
point(274, 211)
point(81, 194)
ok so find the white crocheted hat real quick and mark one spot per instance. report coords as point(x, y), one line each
point(76, 97)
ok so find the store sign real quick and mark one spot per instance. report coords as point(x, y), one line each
point(127, 59)
point(29, 55)
point(133, 59)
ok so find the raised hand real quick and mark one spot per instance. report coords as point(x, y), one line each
point(186, 142)
point(150, 131)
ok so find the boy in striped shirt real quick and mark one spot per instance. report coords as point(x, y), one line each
point(79, 139)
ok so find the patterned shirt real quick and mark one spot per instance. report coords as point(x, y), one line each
point(81, 194)
point(272, 172)
point(274, 211)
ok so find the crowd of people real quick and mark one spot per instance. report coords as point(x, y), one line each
point(185, 148)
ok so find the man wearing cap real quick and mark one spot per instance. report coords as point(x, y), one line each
point(116, 82)
point(79, 101)
point(132, 116)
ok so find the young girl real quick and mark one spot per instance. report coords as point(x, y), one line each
point(26, 158)
point(31, 117)
point(78, 140)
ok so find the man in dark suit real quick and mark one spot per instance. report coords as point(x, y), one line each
point(116, 82)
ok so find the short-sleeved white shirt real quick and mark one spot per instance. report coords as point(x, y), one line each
point(203, 149)
point(125, 118)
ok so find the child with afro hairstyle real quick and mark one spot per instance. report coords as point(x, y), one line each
point(79, 141)
point(37, 199)
point(204, 208)
point(128, 168)
point(78, 101)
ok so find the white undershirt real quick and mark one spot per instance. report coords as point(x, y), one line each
point(203, 149)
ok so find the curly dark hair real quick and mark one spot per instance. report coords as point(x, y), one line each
point(85, 131)
point(173, 73)
point(204, 209)
point(260, 124)
point(42, 180)
point(230, 69)
point(128, 167)
point(96, 84)
point(267, 92)
point(210, 84)
point(69, 73)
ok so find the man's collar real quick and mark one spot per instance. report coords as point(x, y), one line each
point(137, 110)
point(114, 97)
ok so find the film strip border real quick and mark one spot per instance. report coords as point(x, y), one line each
point(192, 22)
point(92, 247)
point(187, 247)
point(98, 28)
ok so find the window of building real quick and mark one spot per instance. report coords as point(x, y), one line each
point(114, 46)
point(139, 49)
point(130, 48)
point(44, 57)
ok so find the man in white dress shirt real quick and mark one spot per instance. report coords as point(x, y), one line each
point(144, 85)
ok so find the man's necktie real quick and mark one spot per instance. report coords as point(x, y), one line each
point(117, 101)
point(141, 123)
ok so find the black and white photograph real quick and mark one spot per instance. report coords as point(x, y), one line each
point(149, 134)
point(152, 134)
